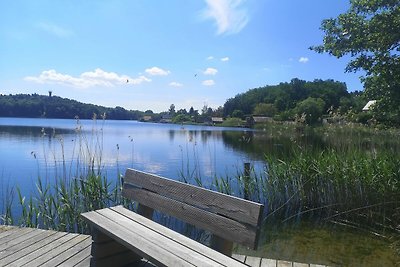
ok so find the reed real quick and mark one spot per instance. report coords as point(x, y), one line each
point(79, 184)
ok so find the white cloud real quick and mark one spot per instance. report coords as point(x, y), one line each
point(98, 77)
point(156, 71)
point(210, 71)
point(210, 58)
point(228, 15)
point(175, 84)
point(208, 82)
point(303, 60)
point(54, 29)
point(225, 59)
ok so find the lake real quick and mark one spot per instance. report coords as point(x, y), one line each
point(48, 148)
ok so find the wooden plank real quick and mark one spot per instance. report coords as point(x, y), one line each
point(11, 231)
point(298, 264)
point(204, 250)
point(57, 251)
point(25, 247)
point(14, 240)
point(10, 237)
point(224, 227)
point(253, 261)
point(156, 254)
point(268, 263)
point(238, 257)
point(84, 263)
point(68, 253)
point(173, 247)
point(61, 238)
point(121, 259)
point(232, 207)
point(281, 263)
point(77, 258)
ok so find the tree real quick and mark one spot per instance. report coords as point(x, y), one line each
point(369, 32)
point(312, 108)
point(171, 110)
point(265, 109)
point(237, 113)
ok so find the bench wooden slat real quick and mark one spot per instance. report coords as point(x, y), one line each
point(135, 242)
point(150, 234)
point(222, 226)
point(229, 206)
point(204, 250)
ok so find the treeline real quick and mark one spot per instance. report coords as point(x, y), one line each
point(296, 98)
point(41, 106)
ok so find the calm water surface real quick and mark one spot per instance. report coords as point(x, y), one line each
point(30, 148)
point(39, 147)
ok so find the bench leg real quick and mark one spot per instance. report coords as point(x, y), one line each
point(222, 245)
point(107, 252)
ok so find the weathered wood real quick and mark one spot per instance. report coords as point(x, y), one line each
point(253, 261)
point(120, 259)
point(268, 263)
point(222, 245)
point(229, 206)
point(181, 239)
point(227, 218)
point(188, 254)
point(49, 245)
point(10, 241)
point(241, 258)
point(226, 228)
point(84, 263)
point(77, 258)
point(281, 263)
point(57, 251)
point(136, 242)
point(298, 264)
point(145, 211)
point(7, 232)
point(69, 253)
point(14, 252)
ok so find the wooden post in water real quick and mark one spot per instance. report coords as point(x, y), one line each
point(246, 180)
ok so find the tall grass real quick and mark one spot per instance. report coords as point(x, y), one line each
point(79, 184)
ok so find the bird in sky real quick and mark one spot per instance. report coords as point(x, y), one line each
point(127, 81)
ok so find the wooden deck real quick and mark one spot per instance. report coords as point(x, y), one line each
point(35, 247)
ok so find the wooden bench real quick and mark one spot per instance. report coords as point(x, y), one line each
point(121, 236)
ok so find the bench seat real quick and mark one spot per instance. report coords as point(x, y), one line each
point(152, 241)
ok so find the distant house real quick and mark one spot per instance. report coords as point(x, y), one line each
point(167, 118)
point(258, 119)
point(216, 120)
point(369, 105)
point(146, 118)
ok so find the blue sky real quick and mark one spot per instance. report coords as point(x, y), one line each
point(149, 54)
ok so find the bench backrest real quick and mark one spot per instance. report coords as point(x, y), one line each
point(228, 218)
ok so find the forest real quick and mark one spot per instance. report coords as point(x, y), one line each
point(289, 100)
point(43, 106)
point(306, 101)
